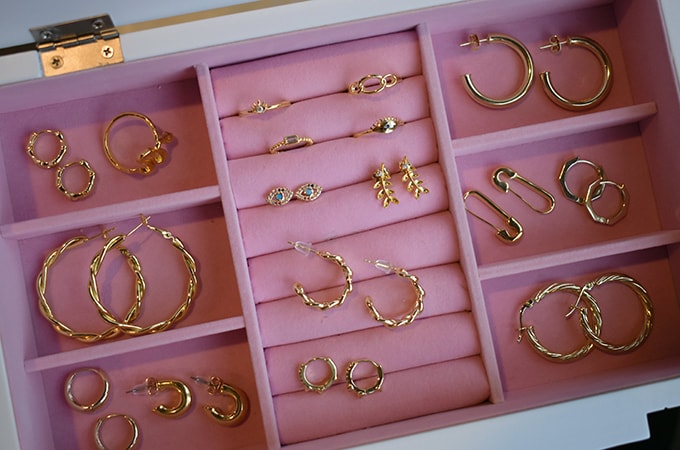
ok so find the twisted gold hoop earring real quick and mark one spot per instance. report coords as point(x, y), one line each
point(362, 392)
point(238, 413)
point(328, 382)
point(128, 419)
point(593, 333)
point(182, 309)
point(337, 259)
point(519, 48)
point(61, 327)
point(420, 295)
point(70, 397)
point(593, 308)
point(555, 46)
point(152, 386)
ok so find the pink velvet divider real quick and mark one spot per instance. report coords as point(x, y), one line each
point(445, 292)
point(426, 390)
point(203, 233)
point(337, 213)
point(324, 118)
point(332, 164)
point(447, 337)
point(314, 72)
point(432, 235)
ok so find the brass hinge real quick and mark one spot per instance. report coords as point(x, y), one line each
point(82, 44)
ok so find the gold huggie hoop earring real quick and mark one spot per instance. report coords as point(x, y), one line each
point(149, 158)
point(328, 382)
point(238, 413)
point(362, 392)
point(505, 236)
point(641, 292)
point(519, 48)
point(30, 148)
point(62, 328)
point(151, 386)
point(555, 46)
point(130, 421)
point(70, 397)
point(598, 186)
point(410, 177)
point(420, 295)
point(305, 249)
point(505, 187)
point(529, 329)
point(567, 166)
point(91, 175)
point(182, 309)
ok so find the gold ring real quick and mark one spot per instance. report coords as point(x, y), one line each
point(328, 382)
point(70, 398)
point(361, 392)
point(149, 158)
point(261, 107)
point(383, 82)
point(30, 148)
point(289, 143)
point(90, 183)
point(385, 125)
point(130, 420)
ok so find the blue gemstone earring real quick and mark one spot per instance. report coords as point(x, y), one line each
point(281, 195)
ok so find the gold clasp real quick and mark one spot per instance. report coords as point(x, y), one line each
point(507, 236)
point(505, 187)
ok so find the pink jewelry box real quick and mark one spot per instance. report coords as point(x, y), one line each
point(457, 362)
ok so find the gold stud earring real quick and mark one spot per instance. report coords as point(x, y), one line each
point(384, 186)
point(410, 177)
point(151, 386)
point(238, 412)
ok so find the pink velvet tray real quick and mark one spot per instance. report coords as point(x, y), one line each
point(459, 360)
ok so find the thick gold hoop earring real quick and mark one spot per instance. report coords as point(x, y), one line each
point(238, 413)
point(70, 397)
point(128, 419)
point(362, 392)
point(182, 309)
point(318, 387)
point(593, 309)
point(337, 259)
point(61, 327)
point(519, 48)
point(555, 45)
point(643, 296)
point(420, 295)
point(152, 386)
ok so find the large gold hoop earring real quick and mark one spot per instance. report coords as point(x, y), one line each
point(555, 45)
point(151, 386)
point(238, 413)
point(337, 259)
point(519, 48)
point(417, 307)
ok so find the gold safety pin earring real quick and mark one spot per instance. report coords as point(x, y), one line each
point(504, 235)
point(505, 187)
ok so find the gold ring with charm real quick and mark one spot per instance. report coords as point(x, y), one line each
point(385, 125)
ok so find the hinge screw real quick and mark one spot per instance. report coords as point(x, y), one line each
point(57, 62)
point(98, 24)
point(46, 35)
point(107, 52)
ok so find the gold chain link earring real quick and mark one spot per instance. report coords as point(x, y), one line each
point(239, 411)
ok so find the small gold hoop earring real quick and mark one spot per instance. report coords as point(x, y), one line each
point(70, 397)
point(30, 148)
point(61, 327)
point(238, 413)
point(182, 309)
point(128, 419)
point(555, 45)
point(593, 308)
point(152, 386)
point(567, 166)
point(505, 187)
point(598, 186)
point(88, 187)
point(507, 236)
point(149, 158)
point(325, 384)
point(305, 249)
point(362, 392)
point(592, 332)
point(420, 295)
point(519, 48)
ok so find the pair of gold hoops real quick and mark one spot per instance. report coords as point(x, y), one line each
point(383, 183)
point(125, 326)
point(555, 45)
point(591, 311)
point(349, 376)
point(385, 266)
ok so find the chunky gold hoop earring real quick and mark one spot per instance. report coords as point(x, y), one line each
point(182, 309)
point(71, 399)
point(149, 158)
point(328, 382)
point(519, 48)
point(592, 332)
point(420, 295)
point(509, 236)
point(505, 187)
point(238, 413)
point(152, 386)
point(30, 148)
point(128, 419)
point(555, 46)
point(593, 309)
point(88, 187)
point(61, 327)
point(305, 249)
point(362, 392)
